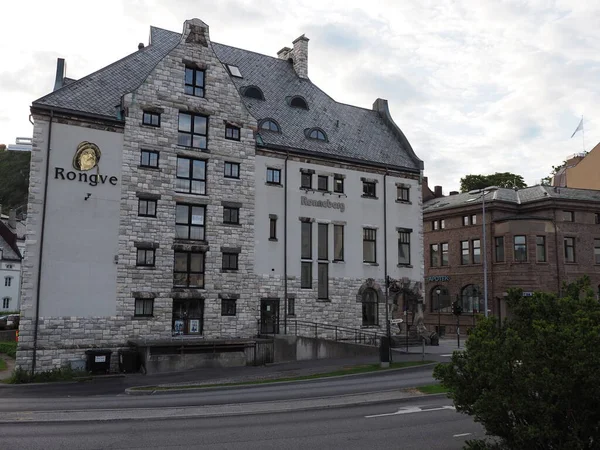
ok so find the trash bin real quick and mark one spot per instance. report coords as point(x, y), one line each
point(384, 350)
point(129, 361)
point(98, 361)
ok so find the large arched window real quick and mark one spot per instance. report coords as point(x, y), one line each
point(370, 311)
point(253, 92)
point(270, 125)
point(442, 301)
point(471, 299)
point(298, 102)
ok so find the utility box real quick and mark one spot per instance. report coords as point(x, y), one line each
point(98, 361)
point(129, 361)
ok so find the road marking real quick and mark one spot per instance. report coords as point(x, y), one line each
point(446, 355)
point(462, 434)
point(411, 411)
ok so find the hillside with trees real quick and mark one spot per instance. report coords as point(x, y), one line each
point(14, 179)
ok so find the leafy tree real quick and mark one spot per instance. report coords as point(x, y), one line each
point(14, 178)
point(500, 179)
point(532, 381)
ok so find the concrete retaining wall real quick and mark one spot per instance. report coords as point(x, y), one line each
point(297, 348)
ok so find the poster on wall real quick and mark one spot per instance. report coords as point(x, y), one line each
point(195, 326)
point(178, 327)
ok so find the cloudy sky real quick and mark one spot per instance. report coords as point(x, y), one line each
point(477, 86)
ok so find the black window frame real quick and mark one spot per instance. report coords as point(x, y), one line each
point(304, 176)
point(336, 239)
point(323, 242)
point(150, 153)
point(144, 204)
point(338, 184)
point(273, 126)
point(148, 118)
point(189, 224)
point(517, 246)
point(370, 235)
point(188, 272)
point(8, 281)
point(367, 306)
point(233, 130)
point(568, 246)
point(540, 245)
point(444, 254)
point(298, 102)
point(499, 248)
point(400, 194)
point(304, 226)
point(144, 261)
point(476, 255)
point(291, 302)
point(404, 242)
point(231, 215)
point(193, 85)
point(465, 251)
point(230, 260)
point(306, 282)
point(6, 302)
point(323, 281)
point(272, 228)
point(320, 180)
point(317, 135)
point(192, 133)
point(191, 178)
point(271, 172)
point(145, 310)
point(434, 255)
point(228, 307)
point(369, 186)
point(231, 166)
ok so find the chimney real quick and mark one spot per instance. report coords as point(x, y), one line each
point(453, 192)
point(437, 190)
point(61, 73)
point(12, 219)
point(298, 55)
point(140, 45)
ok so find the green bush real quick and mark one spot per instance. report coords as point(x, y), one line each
point(9, 347)
point(21, 376)
point(533, 381)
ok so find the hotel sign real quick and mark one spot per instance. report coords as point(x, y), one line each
point(322, 204)
point(87, 157)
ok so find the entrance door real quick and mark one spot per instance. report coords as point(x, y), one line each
point(269, 316)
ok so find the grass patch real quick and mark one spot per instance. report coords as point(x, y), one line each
point(432, 389)
point(9, 347)
point(21, 376)
point(2, 364)
point(345, 371)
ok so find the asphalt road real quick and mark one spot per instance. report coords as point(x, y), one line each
point(418, 424)
point(363, 384)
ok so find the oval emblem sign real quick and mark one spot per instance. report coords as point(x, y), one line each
point(86, 157)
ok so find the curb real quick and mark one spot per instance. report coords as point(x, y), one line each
point(137, 391)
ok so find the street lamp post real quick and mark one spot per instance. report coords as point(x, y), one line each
point(483, 192)
point(438, 291)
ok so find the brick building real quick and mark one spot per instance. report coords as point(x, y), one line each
point(537, 238)
point(194, 189)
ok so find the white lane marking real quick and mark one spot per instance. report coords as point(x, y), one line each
point(446, 355)
point(462, 434)
point(411, 411)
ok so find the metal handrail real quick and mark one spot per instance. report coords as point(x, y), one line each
point(336, 332)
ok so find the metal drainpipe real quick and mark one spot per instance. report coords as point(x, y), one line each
point(385, 267)
point(39, 275)
point(556, 253)
point(285, 236)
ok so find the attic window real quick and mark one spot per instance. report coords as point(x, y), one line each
point(234, 70)
point(298, 102)
point(270, 125)
point(253, 92)
point(318, 134)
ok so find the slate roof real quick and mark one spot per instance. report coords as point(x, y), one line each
point(518, 197)
point(8, 244)
point(353, 133)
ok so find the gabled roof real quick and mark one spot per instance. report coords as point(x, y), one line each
point(8, 244)
point(352, 133)
point(99, 94)
point(517, 197)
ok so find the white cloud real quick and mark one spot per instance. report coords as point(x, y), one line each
point(477, 87)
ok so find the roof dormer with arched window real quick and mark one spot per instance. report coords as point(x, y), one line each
point(253, 92)
point(298, 102)
point(269, 125)
point(316, 133)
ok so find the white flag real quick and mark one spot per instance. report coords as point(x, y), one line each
point(579, 127)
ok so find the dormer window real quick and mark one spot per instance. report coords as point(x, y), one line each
point(234, 70)
point(298, 102)
point(270, 125)
point(318, 134)
point(253, 92)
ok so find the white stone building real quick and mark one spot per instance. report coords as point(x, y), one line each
point(199, 189)
point(10, 264)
